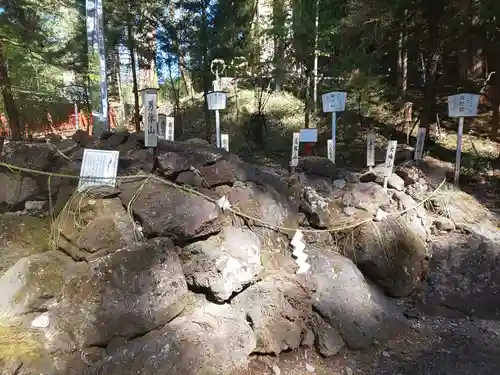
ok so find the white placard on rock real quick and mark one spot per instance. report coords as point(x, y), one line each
point(334, 101)
point(162, 125)
point(463, 105)
point(170, 130)
point(331, 150)
point(150, 117)
point(99, 168)
point(390, 156)
point(224, 140)
point(370, 150)
point(295, 150)
point(216, 100)
point(419, 147)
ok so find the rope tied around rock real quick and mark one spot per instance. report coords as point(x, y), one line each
point(232, 209)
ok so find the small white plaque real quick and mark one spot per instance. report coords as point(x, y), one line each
point(224, 140)
point(216, 100)
point(170, 130)
point(295, 150)
point(309, 135)
point(99, 168)
point(419, 147)
point(370, 150)
point(162, 125)
point(331, 150)
point(463, 105)
point(390, 156)
point(334, 101)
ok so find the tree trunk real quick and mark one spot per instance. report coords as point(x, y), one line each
point(131, 49)
point(206, 68)
point(8, 97)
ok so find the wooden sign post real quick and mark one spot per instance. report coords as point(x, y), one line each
point(461, 105)
point(370, 151)
point(150, 117)
point(225, 141)
point(390, 156)
point(295, 150)
point(334, 102)
point(419, 147)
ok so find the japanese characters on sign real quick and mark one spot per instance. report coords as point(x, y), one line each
point(419, 147)
point(224, 138)
point(334, 101)
point(370, 150)
point(331, 150)
point(170, 132)
point(389, 158)
point(99, 168)
point(463, 105)
point(216, 100)
point(295, 150)
point(150, 117)
point(162, 125)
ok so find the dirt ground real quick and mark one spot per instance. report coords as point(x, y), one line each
point(432, 346)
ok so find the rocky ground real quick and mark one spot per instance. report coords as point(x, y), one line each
point(154, 277)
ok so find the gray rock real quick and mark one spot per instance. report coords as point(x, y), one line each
point(167, 211)
point(464, 277)
point(126, 293)
point(31, 284)
point(327, 339)
point(443, 223)
point(220, 173)
point(223, 264)
point(396, 182)
point(277, 309)
point(15, 190)
point(345, 300)
point(212, 339)
point(367, 196)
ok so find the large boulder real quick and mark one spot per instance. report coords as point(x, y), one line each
point(31, 284)
point(223, 264)
point(209, 340)
point(90, 226)
point(17, 189)
point(464, 277)
point(346, 301)
point(278, 309)
point(164, 210)
point(123, 294)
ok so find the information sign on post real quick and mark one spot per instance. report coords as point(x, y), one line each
point(170, 130)
point(295, 150)
point(225, 141)
point(390, 156)
point(461, 105)
point(334, 102)
point(150, 117)
point(309, 135)
point(216, 101)
point(370, 150)
point(99, 168)
point(419, 147)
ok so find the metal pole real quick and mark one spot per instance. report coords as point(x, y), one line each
point(217, 127)
point(459, 149)
point(77, 124)
point(334, 133)
point(102, 64)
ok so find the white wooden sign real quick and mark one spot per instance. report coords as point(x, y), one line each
point(99, 167)
point(295, 150)
point(331, 150)
point(419, 147)
point(150, 117)
point(309, 135)
point(216, 100)
point(334, 101)
point(162, 125)
point(370, 150)
point(390, 156)
point(224, 138)
point(463, 105)
point(170, 130)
